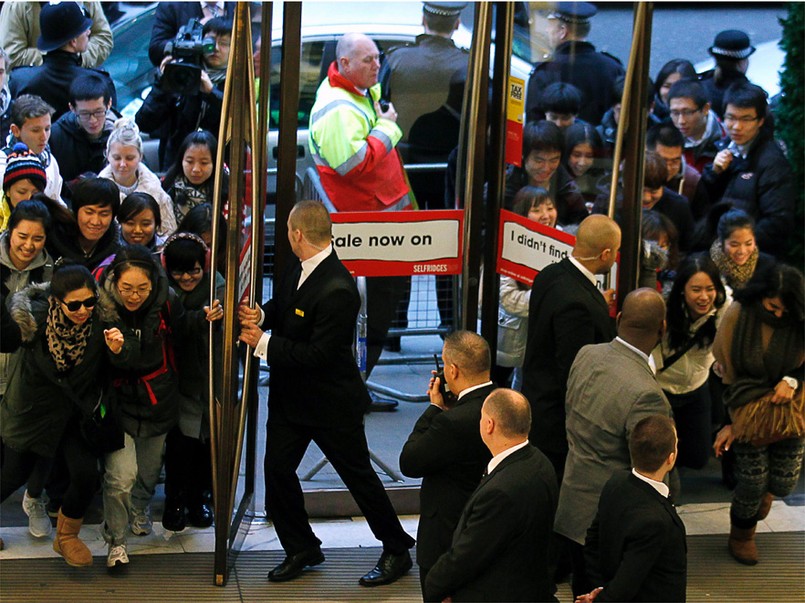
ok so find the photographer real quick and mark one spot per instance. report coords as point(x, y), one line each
point(170, 115)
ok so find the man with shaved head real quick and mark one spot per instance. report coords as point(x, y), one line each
point(610, 389)
point(353, 141)
point(566, 312)
point(500, 547)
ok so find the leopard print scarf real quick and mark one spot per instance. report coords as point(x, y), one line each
point(66, 340)
point(737, 276)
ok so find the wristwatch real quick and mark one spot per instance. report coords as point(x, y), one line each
point(791, 382)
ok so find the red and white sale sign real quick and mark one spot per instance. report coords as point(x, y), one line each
point(526, 247)
point(399, 243)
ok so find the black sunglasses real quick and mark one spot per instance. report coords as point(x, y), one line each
point(74, 306)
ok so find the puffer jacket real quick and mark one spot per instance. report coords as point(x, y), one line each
point(512, 323)
point(193, 362)
point(39, 400)
point(13, 280)
point(145, 383)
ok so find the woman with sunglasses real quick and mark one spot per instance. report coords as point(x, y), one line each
point(145, 389)
point(188, 472)
point(55, 389)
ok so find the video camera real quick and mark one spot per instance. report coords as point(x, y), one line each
point(182, 75)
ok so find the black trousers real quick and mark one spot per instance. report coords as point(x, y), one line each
point(348, 452)
point(383, 295)
point(82, 466)
point(692, 415)
point(188, 468)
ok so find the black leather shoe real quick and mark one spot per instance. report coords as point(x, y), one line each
point(173, 517)
point(293, 566)
point(388, 569)
point(381, 405)
point(199, 514)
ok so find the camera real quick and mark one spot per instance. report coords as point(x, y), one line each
point(182, 75)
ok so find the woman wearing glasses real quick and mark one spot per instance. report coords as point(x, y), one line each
point(145, 389)
point(55, 389)
point(188, 473)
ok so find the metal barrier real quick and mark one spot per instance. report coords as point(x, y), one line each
point(430, 309)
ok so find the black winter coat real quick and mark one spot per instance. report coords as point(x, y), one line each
point(62, 242)
point(74, 150)
point(763, 187)
point(171, 117)
point(145, 382)
point(51, 80)
point(39, 400)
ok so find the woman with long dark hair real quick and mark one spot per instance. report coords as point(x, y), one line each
point(683, 358)
point(668, 75)
point(56, 390)
point(189, 181)
point(760, 347)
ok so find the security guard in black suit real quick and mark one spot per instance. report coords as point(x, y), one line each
point(575, 61)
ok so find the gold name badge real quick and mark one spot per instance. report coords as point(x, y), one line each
point(299, 312)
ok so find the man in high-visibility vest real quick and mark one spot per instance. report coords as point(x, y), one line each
point(353, 140)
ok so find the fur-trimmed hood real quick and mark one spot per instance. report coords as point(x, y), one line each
point(29, 308)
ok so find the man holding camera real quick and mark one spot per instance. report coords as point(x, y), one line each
point(171, 16)
point(445, 448)
point(171, 111)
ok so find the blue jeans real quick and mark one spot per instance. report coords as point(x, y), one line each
point(129, 482)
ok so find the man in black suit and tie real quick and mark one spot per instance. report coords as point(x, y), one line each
point(445, 448)
point(500, 547)
point(566, 312)
point(636, 546)
point(316, 394)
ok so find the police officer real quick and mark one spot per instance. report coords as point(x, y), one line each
point(575, 61)
point(416, 77)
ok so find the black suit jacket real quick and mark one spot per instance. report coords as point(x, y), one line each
point(314, 379)
point(565, 313)
point(445, 449)
point(500, 547)
point(636, 546)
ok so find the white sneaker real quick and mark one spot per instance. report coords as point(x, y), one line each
point(141, 524)
point(117, 556)
point(39, 524)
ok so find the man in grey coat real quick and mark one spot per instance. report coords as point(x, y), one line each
point(610, 389)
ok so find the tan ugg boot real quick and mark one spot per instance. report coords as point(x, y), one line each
point(68, 545)
point(765, 506)
point(742, 545)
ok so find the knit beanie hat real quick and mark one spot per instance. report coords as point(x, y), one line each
point(21, 164)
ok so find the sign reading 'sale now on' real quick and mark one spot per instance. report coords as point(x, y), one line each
point(399, 243)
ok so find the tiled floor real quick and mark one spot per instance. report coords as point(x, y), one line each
point(707, 518)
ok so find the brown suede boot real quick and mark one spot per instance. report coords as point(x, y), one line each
point(68, 545)
point(742, 545)
point(765, 506)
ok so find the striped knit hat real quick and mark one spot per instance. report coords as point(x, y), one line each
point(21, 164)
